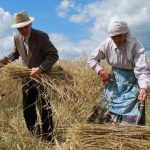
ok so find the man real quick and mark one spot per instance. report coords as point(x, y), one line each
point(38, 54)
point(126, 89)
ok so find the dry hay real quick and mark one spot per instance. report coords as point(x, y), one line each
point(72, 89)
point(18, 71)
point(108, 137)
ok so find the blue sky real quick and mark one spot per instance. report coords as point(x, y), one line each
point(76, 27)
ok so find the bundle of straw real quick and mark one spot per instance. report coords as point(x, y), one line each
point(51, 81)
point(104, 137)
point(17, 71)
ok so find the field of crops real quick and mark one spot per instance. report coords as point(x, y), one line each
point(74, 90)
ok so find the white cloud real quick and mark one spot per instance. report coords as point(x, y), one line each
point(70, 50)
point(64, 7)
point(6, 44)
point(66, 48)
point(136, 13)
point(79, 18)
point(95, 16)
point(5, 22)
point(65, 4)
point(100, 13)
point(6, 38)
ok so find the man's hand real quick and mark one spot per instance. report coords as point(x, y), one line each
point(105, 76)
point(142, 95)
point(35, 72)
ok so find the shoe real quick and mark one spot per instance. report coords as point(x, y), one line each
point(48, 137)
point(36, 130)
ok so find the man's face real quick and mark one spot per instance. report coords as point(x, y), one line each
point(25, 31)
point(119, 39)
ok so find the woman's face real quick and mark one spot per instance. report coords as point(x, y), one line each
point(119, 39)
point(25, 31)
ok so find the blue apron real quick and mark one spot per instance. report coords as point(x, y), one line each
point(121, 95)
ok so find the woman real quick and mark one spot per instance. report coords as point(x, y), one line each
point(126, 89)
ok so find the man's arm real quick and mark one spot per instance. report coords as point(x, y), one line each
point(50, 53)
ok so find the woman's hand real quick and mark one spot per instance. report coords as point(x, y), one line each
point(105, 76)
point(142, 95)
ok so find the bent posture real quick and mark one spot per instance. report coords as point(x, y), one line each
point(39, 54)
point(126, 86)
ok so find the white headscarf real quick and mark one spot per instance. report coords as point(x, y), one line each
point(117, 27)
point(121, 27)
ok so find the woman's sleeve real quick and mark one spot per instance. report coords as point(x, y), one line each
point(95, 58)
point(141, 67)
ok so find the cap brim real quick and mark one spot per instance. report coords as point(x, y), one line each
point(20, 25)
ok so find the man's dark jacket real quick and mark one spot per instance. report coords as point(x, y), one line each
point(41, 51)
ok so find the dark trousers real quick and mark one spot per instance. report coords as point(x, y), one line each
point(34, 95)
